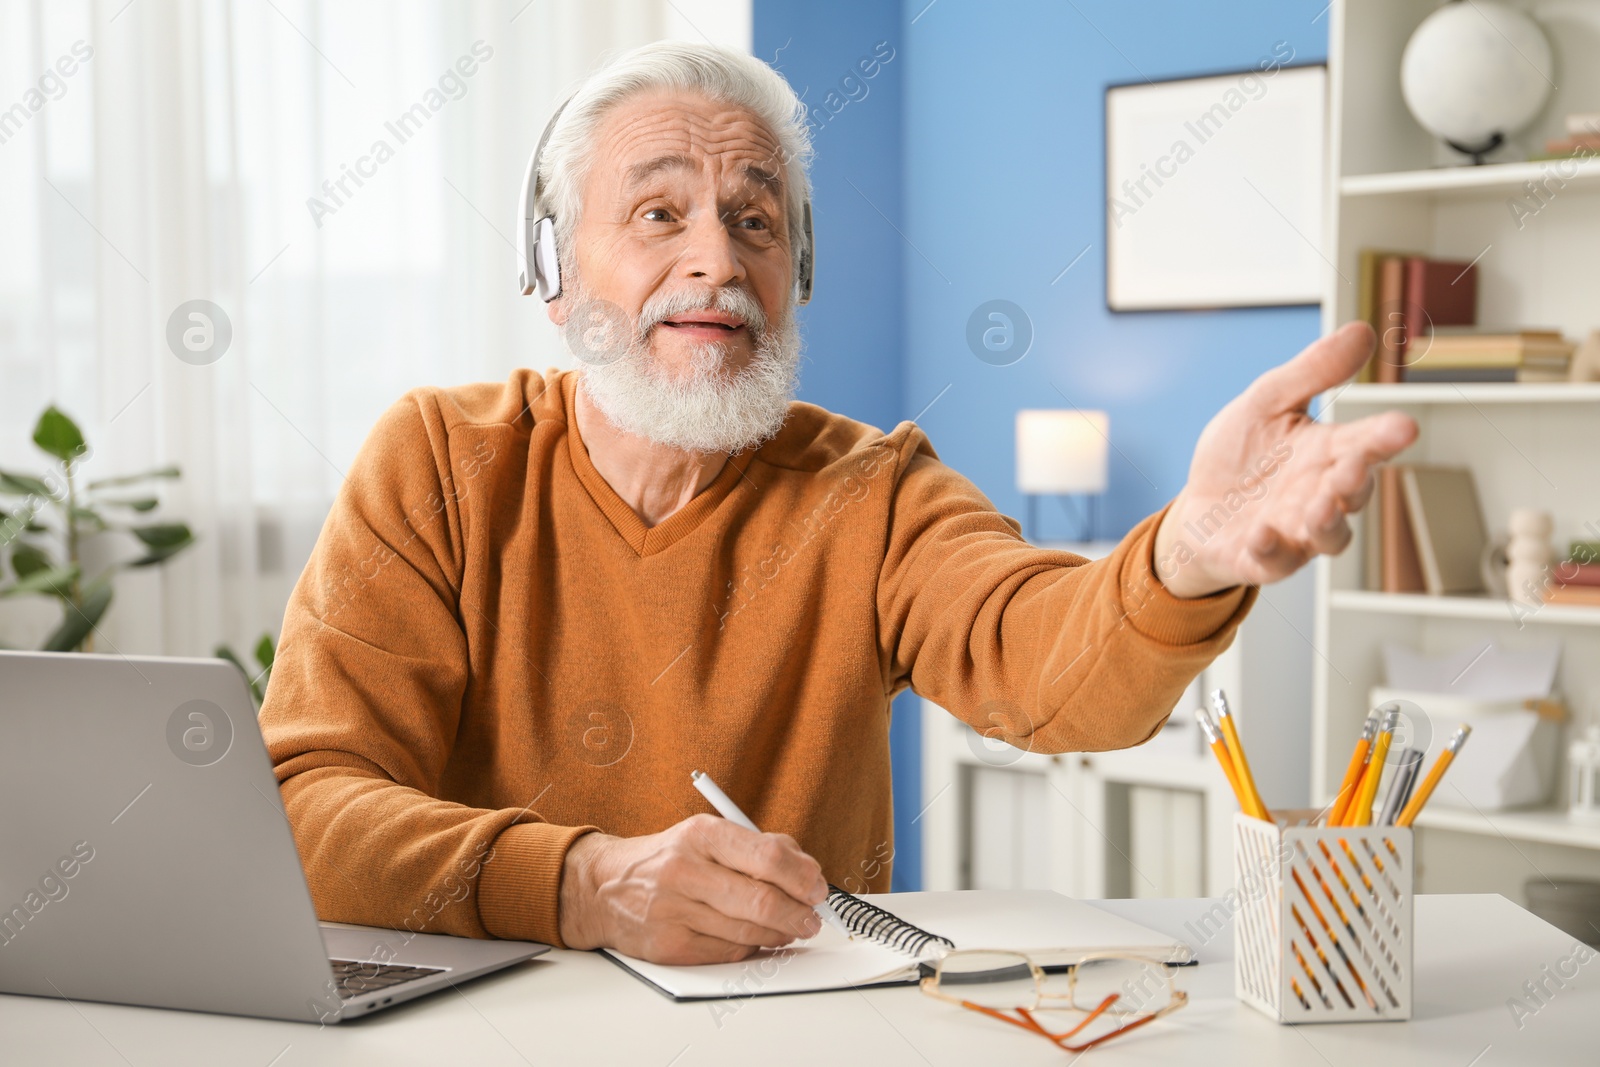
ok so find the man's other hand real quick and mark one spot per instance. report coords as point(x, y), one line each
point(703, 891)
point(1269, 488)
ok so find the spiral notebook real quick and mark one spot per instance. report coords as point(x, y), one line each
point(893, 947)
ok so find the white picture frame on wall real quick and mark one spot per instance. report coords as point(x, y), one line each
point(1214, 190)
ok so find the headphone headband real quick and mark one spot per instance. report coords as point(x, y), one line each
point(538, 266)
point(538, 261)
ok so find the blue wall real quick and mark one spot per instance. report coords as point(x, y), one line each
point(854, 329)
point(996, 144)
point(1004, 168)
point(854, 333)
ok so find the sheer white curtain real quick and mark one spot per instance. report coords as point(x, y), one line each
point(339, 179)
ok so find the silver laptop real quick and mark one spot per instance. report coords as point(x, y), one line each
point(145, 857)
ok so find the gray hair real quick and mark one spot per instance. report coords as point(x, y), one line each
point(721, 73)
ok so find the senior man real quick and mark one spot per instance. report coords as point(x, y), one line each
point(537, 606)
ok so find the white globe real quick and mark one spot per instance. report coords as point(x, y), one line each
point(1475, 69)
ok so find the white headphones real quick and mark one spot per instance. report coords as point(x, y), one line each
point(539, 266)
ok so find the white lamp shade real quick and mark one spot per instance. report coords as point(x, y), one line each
point(1062, 451)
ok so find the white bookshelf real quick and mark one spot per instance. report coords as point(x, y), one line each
point(1469, 182)
point(1472, 393)
point(1487, 609)
point(1528, 445)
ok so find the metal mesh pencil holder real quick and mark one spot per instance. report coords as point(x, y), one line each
point(1324, 922)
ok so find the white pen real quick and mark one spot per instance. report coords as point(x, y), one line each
point(730, 811)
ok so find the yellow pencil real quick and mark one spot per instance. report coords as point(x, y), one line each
point(1219, 748)
point(1241, 766)
point(1352, 773)
point(1425, 790)
point(1360, 812)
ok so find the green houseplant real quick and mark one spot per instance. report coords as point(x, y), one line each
point(265, 652)
point(45, 520)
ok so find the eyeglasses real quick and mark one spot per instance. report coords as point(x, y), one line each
point(1115, 994)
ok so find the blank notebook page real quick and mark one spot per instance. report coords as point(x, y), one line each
point(827, 961)
point(1050, 927)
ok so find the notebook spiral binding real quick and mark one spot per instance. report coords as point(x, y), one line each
point(885, 927)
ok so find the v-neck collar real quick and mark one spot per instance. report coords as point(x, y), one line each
point(644, 540)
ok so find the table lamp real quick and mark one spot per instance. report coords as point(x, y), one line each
point(1062, 453)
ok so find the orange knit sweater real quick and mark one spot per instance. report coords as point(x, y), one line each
point(490, 654)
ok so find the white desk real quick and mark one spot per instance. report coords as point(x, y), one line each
point(1473, 952)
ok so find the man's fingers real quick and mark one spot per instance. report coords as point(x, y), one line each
point(1319, 367)
point(1376, 438)
point(1327, 528)
point(774, 858)
point(685, 946)
point(713, 921)
point(1271, 556)
point(1353, 500)
point(747, 900)
point(1347, 483)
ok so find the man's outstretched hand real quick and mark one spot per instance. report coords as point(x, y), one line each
point(1269, 488)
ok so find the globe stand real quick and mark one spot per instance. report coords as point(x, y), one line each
point(1477, 154)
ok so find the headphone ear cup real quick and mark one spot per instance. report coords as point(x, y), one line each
point(805, 273)
point(525, 243)
point(545, 262)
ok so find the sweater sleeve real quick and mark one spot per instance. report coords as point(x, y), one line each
point(364, 703)
point(1040, 648)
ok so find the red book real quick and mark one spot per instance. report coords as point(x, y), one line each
point(1437, 292)
point(1570, 573)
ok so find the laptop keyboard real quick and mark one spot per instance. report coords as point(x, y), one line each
point(355, 978)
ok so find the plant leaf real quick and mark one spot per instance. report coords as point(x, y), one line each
point(22, 485)
point(58, 435)
point(162, 534)
point(162, 553)
point(78, 621)
point(27, 559)
point(55, 581)
point(257, 686)
point(266, 652)
point(88, 517)
point(143, 503)
point(133, 479)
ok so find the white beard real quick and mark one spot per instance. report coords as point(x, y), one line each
point(703, 407)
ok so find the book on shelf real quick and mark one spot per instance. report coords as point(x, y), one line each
point(1399, 570)
point(1367, 309)
point(1577, 575)
point(1425, 533)
point(1405, 297)
point(1534, 373)
point(1372, 541)
point(1390, 355)
point(1447, 526)
point(1586, 144)
point(1463, 374)
point(1448, 355)
point(1583, 596)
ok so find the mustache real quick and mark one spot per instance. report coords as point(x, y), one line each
point(728, 299)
